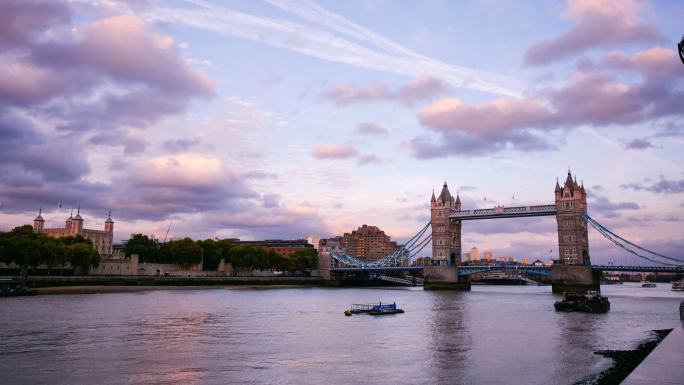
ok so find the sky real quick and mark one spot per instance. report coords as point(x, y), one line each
point(280, 119)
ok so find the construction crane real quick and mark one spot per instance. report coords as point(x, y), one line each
point(167, 232)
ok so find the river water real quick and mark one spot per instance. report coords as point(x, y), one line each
point(491, 335)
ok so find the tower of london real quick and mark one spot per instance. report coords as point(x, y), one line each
point(102, 239)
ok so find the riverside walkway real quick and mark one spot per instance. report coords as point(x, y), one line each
point(665, 364)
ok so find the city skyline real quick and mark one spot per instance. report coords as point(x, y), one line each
point(277, 119)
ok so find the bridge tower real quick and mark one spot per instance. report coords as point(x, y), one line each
point(446, 245)
point(574, 272)
point(446, 235)
point(573, 239)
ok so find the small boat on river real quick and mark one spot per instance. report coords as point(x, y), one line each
point(678, 286)
point(591, 302)
point(13, 288)
point(648, 284)
point(373, 309)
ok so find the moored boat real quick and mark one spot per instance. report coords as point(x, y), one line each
point(13, 288)
point(373, 309)
point(591, 302)
point(648, 284)
point(678, 286)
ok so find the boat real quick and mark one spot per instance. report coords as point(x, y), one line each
point(648, 284)
point(612, 279)
point(13, 288)
point(591, 302)
point(373, 309)
point(678, 286)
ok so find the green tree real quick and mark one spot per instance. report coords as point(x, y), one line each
point(212, 252)
point(145, 247)
point(184, 252)
point(83, 256)
point(302, 259)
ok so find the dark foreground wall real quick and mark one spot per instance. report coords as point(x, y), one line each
point(168, 281)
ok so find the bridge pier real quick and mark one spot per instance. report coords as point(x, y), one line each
point(576, 278)
point(444, 277)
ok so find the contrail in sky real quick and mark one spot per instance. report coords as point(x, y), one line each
point(377, 52)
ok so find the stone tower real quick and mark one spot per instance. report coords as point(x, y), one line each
point(446, 236)
point(38, 223)
point(109, 223)
point(77, 224)
point(573, 239)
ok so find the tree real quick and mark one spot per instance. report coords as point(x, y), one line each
point(184, 252)
point(83, 255)
point(145, 247)
point(212, 252)
point(302, 259)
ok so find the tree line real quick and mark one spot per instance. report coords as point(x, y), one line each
point(28, 249)
point(210, 252)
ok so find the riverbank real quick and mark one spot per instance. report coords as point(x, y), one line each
point(625, 361)
point(130, 283)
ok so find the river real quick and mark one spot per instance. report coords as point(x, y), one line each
point(490, 335)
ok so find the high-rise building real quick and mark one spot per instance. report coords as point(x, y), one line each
point(466, 257)
point(525, 261)
point(367, 243)
point(488, 255)
point(314, 240)
point(474, 254)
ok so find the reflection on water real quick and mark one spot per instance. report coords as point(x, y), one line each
point(491, 335)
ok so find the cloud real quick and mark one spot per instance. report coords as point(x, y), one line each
point(330, 41)
point(493, 117)
point(423, 88)
point(180, 145)
point(598, 24)
point(21, 20)
point(638, 144)
point(663, 186)
point(465, 144)
point(368, 159)
point(370, 128)
point(95, 75)
point(334, 151)
point(516, 124)
point(603, 206)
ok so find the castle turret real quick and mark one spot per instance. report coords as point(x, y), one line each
point(77, 223)
point(38, 223)
point(109, 223)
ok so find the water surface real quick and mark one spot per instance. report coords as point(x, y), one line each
point(491, 335)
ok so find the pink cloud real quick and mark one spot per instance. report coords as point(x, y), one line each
point(599, 24)
point(493, 117)
point(368, 159)
point(370, 128)
point(655, 63)
point(334, 151)
point(423, 88)
point(21, 19)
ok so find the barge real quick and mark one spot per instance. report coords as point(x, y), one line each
point(591, 302)
point(373, 309)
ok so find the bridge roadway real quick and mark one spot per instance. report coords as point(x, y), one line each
point(543, 270)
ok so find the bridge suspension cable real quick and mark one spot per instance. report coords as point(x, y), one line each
point(405, 253)
point(611, 236)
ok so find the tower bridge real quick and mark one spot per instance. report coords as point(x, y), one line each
point(572, 271)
